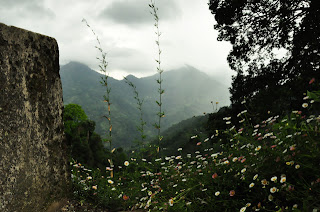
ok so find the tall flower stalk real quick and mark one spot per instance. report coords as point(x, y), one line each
point(140, 127)
point(104, 81)
point(160, 114)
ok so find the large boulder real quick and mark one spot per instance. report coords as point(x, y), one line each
point(34, 162)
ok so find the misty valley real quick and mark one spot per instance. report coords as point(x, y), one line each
point(189, 93)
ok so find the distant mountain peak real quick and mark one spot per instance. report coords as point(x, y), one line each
point(74, 67)
point(190, 67)
point(131, 77)
point(188, 92)
point(76, 63)
point(186, 72)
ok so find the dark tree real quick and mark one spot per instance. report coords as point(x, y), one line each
point(86, 146)
point(261, 29)
point(75, 113)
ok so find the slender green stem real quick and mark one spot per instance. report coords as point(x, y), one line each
point(139, 107)
point(104, 81)
point(160, 114)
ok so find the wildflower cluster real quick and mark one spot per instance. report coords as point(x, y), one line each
point(271, 166)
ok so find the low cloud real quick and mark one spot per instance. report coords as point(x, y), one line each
point(125, 29)
point(137, 12)
point(130, 60)
point(9, 4)
point(20, 9)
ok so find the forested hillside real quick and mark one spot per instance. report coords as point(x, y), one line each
point(188, 93)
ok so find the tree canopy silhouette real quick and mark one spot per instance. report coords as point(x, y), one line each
point(261, 29)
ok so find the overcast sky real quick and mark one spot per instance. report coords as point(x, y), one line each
point(125, 29)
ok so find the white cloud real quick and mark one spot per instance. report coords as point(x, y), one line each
point(136, 12)
point(125, 29)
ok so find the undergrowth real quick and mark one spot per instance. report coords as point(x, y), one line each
point(267, 166)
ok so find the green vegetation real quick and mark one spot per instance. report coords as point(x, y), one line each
point(179, 135)
point(258, 31)
point(85, 145)
point(190, 94)
point(251, 156)
point(73, 115)
point(140, 142)
point(104, 81)
point(160, 114)
point(272, 166)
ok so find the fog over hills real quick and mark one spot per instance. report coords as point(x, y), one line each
point(188, 93)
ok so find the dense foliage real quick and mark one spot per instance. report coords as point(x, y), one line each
point(72, 116)
point(259, 31)
point(179, 135)
point(268, 166)
point(85, 145)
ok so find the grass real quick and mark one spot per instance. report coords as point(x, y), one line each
point(267, 166)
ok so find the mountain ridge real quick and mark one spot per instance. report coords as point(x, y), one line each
point(186, 94)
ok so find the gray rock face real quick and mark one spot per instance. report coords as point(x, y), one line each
point(33, 165)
